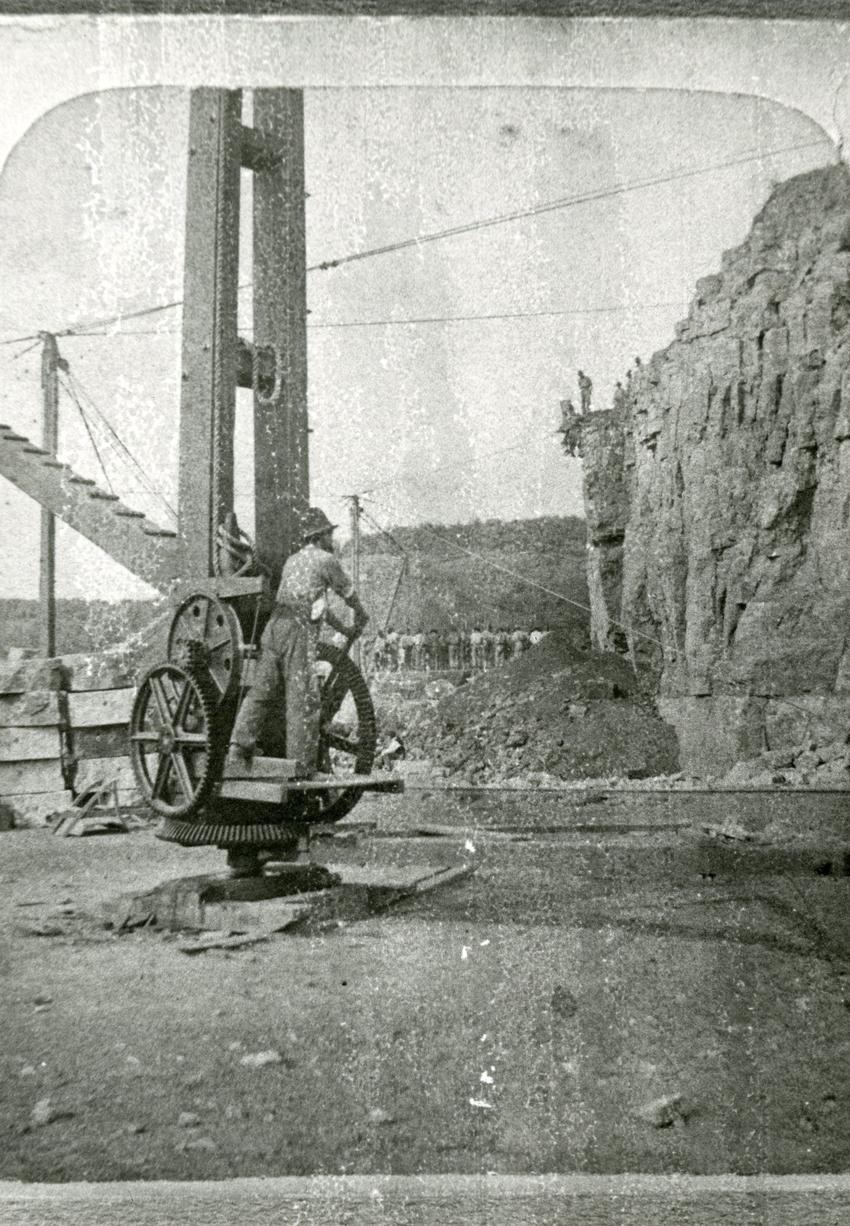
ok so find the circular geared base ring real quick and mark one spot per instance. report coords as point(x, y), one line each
point(174, 749)
point(224, 835)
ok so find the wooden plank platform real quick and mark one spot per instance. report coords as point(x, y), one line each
point(264, 768)
point(275, 791)
point(262, 791)
point(363, 783)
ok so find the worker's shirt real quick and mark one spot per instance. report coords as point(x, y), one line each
point(307, 577)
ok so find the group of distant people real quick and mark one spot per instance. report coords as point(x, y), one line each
point(430, 650)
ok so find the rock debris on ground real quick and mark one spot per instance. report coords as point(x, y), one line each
point(554, 714)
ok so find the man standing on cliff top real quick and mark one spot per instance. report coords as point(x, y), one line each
point(585, 388)
point(570, 427)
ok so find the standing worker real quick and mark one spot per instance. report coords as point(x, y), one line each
point(453, 646)
point(286, 667)
point(585, 388)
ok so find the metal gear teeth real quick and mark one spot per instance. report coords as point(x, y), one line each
point(200, 834)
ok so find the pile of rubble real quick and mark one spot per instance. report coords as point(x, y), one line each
point(555, 714)
point(809, 765)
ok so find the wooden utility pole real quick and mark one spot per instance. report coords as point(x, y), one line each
point(354, 499)
point(49, 440)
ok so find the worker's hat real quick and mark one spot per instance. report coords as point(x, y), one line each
point(314, 523)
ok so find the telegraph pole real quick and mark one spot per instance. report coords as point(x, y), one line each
point(50, 366)
point(354, 499)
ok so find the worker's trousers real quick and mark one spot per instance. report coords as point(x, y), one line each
point(285, 681)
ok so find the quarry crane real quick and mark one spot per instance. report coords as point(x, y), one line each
point(185, 706)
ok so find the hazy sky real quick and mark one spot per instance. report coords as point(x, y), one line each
point(91, 223)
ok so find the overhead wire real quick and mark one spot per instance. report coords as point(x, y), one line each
point(564, 202)
point(550, 206)
point(621, 308)
point(28, 349)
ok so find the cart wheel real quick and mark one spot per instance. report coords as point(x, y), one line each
point(173, 739)
point(205, 634)
point(349, 732)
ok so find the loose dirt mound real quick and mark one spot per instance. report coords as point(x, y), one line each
point(556, 711)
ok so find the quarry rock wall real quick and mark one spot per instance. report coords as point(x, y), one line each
point(717, 491)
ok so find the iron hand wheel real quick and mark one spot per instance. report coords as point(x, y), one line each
point(205, 634)
point(174, 747)
point(349, 734)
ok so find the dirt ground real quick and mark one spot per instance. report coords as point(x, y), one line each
point(613, 990)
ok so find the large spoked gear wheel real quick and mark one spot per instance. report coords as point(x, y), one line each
point(205, 634)
point(349, 731)
point(174, 742)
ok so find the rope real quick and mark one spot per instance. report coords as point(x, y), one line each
point(146, 480)
point(85, 419)
point(371, 519)
point(494, 611)
point(523, 578)
point(239, 548)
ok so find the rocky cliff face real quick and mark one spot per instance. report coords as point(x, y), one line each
point(718, 490)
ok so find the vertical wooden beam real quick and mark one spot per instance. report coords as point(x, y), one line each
point(210, 286)
point(49, 441)
point(280, 325)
